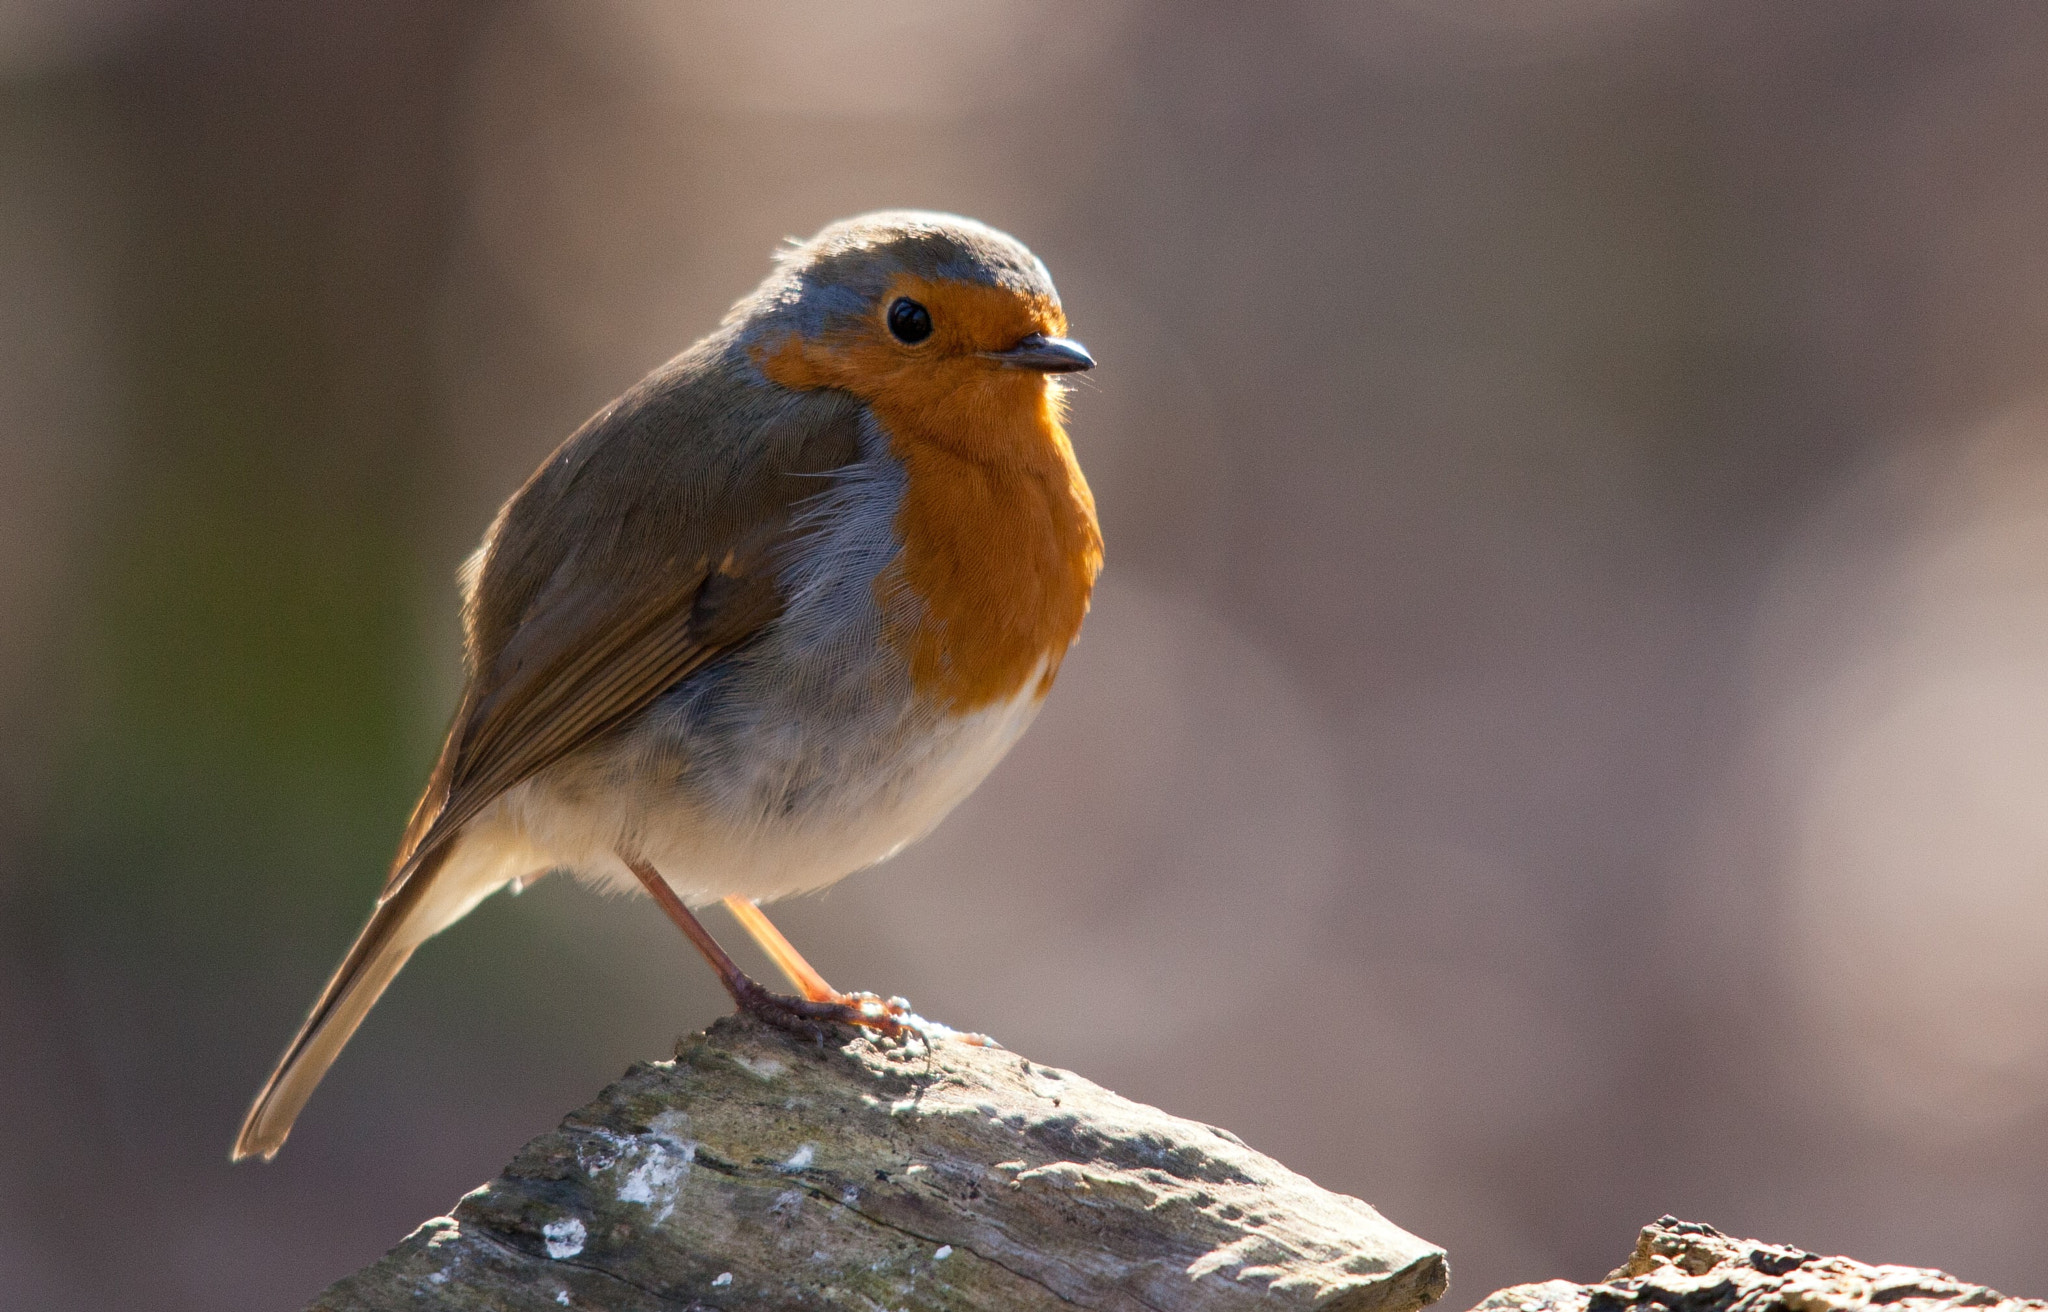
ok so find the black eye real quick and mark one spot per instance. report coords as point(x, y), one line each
point(909, 321)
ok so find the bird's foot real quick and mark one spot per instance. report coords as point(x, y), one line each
point(890, 1016)
point(809, 1016)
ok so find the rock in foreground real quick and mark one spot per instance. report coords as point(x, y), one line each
point(757, 1171)
point(1693, 1267)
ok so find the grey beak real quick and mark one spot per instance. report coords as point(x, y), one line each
point(1048, 355)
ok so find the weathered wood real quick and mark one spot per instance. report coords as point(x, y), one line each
point(1685, 1265)
point(759, 1171)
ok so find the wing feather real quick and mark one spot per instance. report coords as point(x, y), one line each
point(649, 544)
point(611, 630)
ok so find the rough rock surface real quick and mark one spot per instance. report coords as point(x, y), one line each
point(1683, 1266)
point(758, 1171)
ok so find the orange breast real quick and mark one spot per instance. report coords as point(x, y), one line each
point(1000, 543)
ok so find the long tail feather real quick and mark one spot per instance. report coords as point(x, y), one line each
point(400, 924)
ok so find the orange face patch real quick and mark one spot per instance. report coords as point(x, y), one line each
point(1000, 543)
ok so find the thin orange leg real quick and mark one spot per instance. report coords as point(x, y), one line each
point(781, 951)
point(800, 972)
point(798, 1014)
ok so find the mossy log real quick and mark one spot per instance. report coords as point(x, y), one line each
point(758, 1171)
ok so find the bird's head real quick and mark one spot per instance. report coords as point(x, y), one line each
point(932, 319)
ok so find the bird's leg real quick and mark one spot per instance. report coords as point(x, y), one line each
point(800, 972)
point(800, 1015)
point(780, 950)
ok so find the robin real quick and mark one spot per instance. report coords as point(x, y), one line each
point(762, 621)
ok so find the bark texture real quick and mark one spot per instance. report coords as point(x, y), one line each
point(1683, 1266)
point(758, 1171)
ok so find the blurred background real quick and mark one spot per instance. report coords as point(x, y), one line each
point(1562, 737)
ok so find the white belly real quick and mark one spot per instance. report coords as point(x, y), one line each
point(719, 841)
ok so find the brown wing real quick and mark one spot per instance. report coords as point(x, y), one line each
point(558, 695)
point(649, 544)
point(631, 560)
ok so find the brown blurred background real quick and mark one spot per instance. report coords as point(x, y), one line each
point(1563, 735)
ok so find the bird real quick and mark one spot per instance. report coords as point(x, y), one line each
point(760, 622)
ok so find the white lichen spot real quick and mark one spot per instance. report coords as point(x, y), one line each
point(849, 1196)
point(916, 1168)
point(657, 1176)
point(564, 1238)
point(932, 1029)
point(438, 1278)
point(657, 1164)
point(945, 1251)
point(801, 1159)
point(723, 1279)
point(562, 1297)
